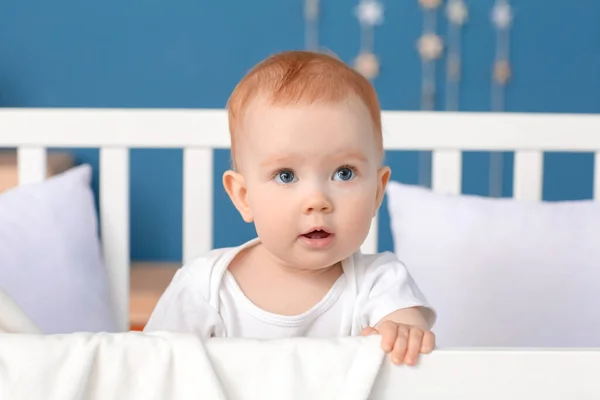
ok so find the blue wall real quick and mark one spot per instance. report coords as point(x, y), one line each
point(152, 53)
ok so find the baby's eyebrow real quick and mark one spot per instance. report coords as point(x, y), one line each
point(290, 159)
point(352, 154)
point(280, 159)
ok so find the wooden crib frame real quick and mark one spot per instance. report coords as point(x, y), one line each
point(198, 132)
point(550, 374)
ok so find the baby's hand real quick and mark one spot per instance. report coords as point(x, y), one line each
point(405, 342)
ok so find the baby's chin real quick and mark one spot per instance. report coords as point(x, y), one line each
point(310, 260)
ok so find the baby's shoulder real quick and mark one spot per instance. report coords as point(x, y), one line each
point(370, 268)
point(375, 263)
point(204, 272)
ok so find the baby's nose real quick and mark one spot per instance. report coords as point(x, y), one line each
point(318, 203)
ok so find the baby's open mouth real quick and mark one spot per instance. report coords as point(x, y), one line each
point(317, 238)
point(317, 234)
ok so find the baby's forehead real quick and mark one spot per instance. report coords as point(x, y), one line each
point(262, 114)
point(317, 151)
point(313, 130)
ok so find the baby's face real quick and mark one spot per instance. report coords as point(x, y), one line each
point(313, 179)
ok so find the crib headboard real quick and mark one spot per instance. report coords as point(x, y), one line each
point(198, 132)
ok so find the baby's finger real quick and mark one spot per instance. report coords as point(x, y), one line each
point(428, 342)
point(400, 345)
point(369, 330)
point(415, 339)
point(388, 332)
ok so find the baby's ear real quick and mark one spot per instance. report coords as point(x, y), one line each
point(235, 186)
point(383, 177)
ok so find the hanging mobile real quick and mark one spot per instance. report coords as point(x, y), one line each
point(457, 14)
point(430, 49)
point(369, 14)
point(502, 20)
point(311, 28)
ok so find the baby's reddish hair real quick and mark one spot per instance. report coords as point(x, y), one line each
point(301, 77)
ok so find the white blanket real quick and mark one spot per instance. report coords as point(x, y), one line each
point(179, 367)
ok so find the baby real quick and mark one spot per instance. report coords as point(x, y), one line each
point(307, 170)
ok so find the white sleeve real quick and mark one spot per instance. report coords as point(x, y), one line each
point(184, 308)
point(386, 286)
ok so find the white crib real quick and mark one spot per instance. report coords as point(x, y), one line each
point(199, 132)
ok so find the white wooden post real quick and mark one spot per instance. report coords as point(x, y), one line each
point(597, 176)
point(447, 171)
point(370, 245)
point(197, 202)
point(32, 162)
point(528, 175)
point(114, 222)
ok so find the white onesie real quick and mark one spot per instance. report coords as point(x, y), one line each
point(204, 298)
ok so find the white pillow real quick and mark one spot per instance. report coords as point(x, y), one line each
point(50, 257)
point(502, 272)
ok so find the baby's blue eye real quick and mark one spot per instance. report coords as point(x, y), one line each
point(344, 174)
point(285, 177)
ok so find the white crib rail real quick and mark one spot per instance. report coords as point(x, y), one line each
point(528, 135)
point(597, 175)
point(114, 226)
point(529, 175)
point(370, 244)
point(495, 374)
point(447, 171)
point(31, 164)
point(198, 132)
point(197, 202)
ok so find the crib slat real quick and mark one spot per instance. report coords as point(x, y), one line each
point(528, 175)
point(197, 202)
point(369, 246)
point(447, 171)
point(114, 222)
point(597, 176)
point(31, 164)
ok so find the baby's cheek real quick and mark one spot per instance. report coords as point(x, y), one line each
point(356, 215)
point(271, 209)
point(362, 199)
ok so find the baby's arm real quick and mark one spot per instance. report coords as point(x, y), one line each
point(395, 308)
